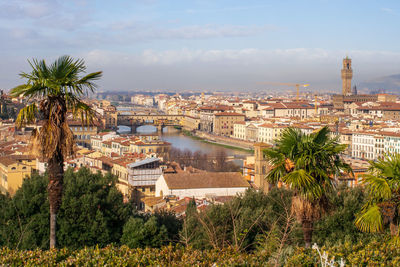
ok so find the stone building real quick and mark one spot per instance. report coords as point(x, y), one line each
point(261, 167)
point(82, 133)
point(191, 123)
point(224, 122)
point(347, 75)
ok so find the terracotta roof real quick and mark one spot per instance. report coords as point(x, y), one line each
point(79, 123)
point(6, 161)
point(382, 106)
point(386, 133)
point(229, 114)
point(184, 180)
point(179, 209)
point(11, 159)
point(151, 201)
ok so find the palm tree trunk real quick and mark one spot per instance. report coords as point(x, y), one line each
point(307, 226)
point(56, 171)
point(394, 228)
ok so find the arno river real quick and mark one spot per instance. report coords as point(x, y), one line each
point(178, 140)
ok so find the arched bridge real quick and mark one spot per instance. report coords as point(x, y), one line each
point(136, 120)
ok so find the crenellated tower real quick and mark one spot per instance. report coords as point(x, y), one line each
point(347, 75)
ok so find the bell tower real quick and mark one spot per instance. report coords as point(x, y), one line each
point(261, 167)
point(347, 75)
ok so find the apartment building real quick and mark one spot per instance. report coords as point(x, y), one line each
point(363, 145)
point(391, 142)
point(191, 123)
point(82, 133)
point(224, 122)
point(13, 170)
point(269, 132)
point(246, 130)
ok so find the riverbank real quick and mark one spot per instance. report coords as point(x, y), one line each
point(216, 143)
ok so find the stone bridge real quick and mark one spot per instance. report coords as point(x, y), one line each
point(136, 120)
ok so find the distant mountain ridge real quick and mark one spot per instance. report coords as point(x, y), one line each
point(388, 84)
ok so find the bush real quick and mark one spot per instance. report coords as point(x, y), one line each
point(338, 226)
point(123, 256)
point(378, 252)
point(138, 233)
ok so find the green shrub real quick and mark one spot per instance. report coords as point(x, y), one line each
point(123, 256)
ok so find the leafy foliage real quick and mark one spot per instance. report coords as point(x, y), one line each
point(138, 233)
point(92, 213)
point(376, 252)
point(25, 216)
point(338, 227)
point(383, 187)
point(123, 256)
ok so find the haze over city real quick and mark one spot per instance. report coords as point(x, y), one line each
point(205, 45)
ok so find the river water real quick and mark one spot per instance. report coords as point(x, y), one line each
point(178, 140)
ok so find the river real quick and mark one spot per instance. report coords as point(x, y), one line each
point(178, 140)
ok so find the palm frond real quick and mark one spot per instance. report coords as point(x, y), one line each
point(370, 220)
point(377, 186)
point(303, 183)
point(27, 115)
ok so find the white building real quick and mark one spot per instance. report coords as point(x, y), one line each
point(391, 142)
point(239, 130)
point(363, 145)
point(268, 133)
point(201, 185)
point(96, 140)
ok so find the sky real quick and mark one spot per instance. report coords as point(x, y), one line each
point(204, 44)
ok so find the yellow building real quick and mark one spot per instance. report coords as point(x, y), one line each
point(82, 133)
point(224, 122)
point(191, 123)
point(160, 147)
point(13, 170)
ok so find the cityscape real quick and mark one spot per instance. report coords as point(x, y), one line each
point(208, 163)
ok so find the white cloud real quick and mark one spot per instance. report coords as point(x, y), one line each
point(388, 10)
point(126, 31)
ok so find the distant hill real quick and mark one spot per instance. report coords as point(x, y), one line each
point(388, 84)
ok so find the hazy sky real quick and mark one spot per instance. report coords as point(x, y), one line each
point(204, 44)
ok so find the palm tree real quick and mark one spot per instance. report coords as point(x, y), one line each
point(308, 164)
point(52, 91)
point(383, 186)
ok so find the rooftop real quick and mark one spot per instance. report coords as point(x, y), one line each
point(185, 180)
